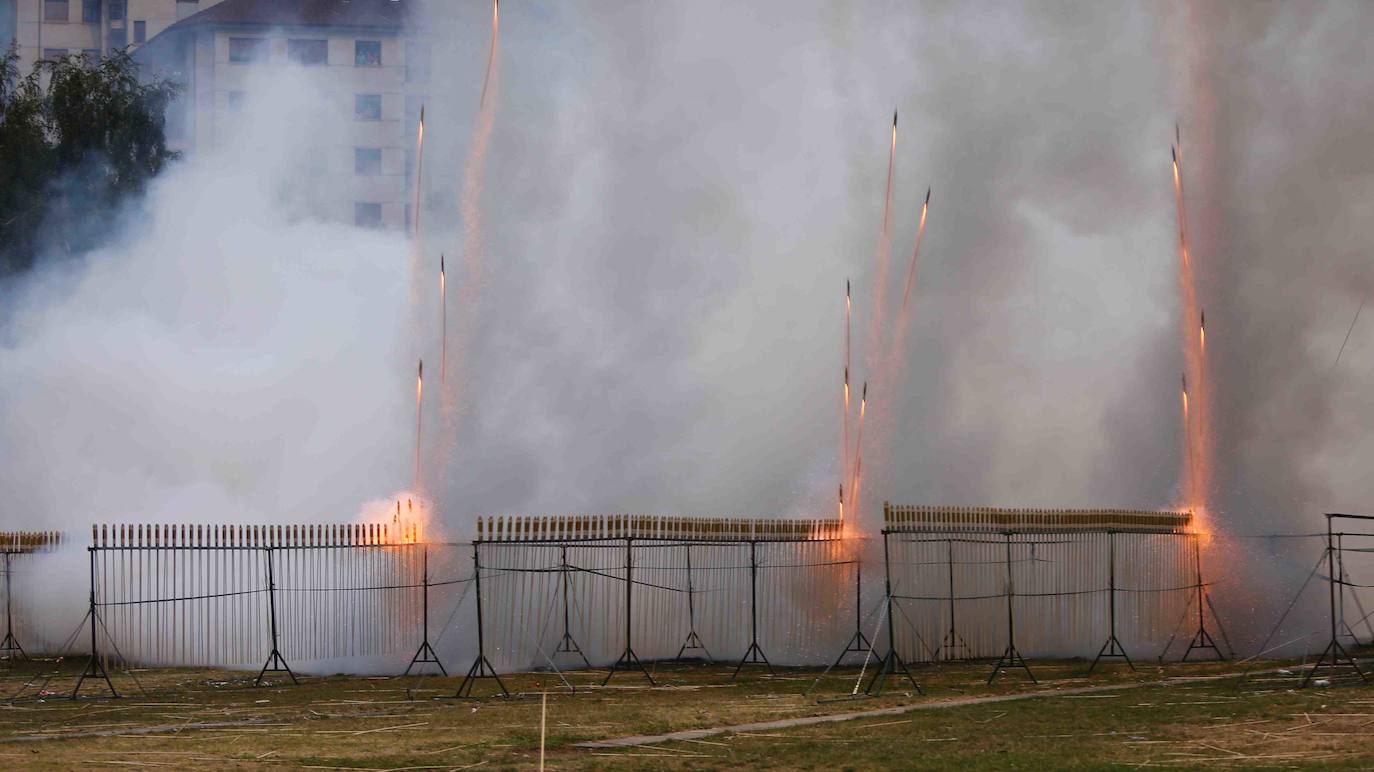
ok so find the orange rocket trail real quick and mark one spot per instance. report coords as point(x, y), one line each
point(443, 322)
point(491, 52)
point(419, 403)
point(419, 169)
point(844, 446)
point(896, 356)
point(1198, 466)
point(876, 327)
point(854, 481)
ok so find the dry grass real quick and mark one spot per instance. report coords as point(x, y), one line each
point(217, 719)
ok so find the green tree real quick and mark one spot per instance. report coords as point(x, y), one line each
point(78, 134)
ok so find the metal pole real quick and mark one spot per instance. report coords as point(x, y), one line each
point(477, 579)
point(1331, 581)
point(753, 594)
point(887, 588)
point(949, 561)
point(424, 603)
point(691, 601)
point(629, 591)
point(563, 558)
point(858, 594)
point(272, 599)
point(1340, 596)
point(1197, 557)
point(9, 627)
point(1111, 580)
point(94, 653)
point(1011, 591)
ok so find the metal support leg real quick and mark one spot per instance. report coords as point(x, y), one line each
point(754, 654)
point(481, 668)
point(628, 660)
point(275, 663)
point(1112, 648)
point(1011, 657)
point(425, 655)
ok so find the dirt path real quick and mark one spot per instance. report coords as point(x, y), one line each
point(697, 734)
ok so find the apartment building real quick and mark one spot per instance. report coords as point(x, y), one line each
point(50, 28)
point(359, 48)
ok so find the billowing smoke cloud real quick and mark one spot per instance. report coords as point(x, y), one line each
point(672, 200)
point(227, 358)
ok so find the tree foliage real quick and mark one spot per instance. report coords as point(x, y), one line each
point(77, 135)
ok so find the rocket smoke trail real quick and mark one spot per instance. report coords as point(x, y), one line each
point(470, 210)
point(896, 357)
point(915, 253)
point(419, 169)
point(858, 453)
point(443, 322)
point(875, 360)
point(884, 256)
point(491, 53)
point(419, 403)
point(844, 447)
point(1199, 462)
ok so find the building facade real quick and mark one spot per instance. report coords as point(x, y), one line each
point(217, 49)
point(46, 29)
point(358, 49)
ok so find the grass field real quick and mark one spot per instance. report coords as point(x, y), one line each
point(1171, 715)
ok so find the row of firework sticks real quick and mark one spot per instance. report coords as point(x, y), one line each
point(252, 536)
point(18, 542)
point(898, 519)
point(600, 527)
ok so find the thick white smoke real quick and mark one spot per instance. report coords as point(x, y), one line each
point(673, 197)
point(228, 357)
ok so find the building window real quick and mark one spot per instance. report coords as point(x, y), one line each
point(307, 51)
point(367, 161)
point(235, 102)
point(118, 9)
point(55, 10)
point(417, 62)
point(54, 53)
point(367, 215)
point(90, 11)
point(140, 32)
point(367, 107)
point(118, 39)
point(367, 53)
point(92, 56)
point(245, 50)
